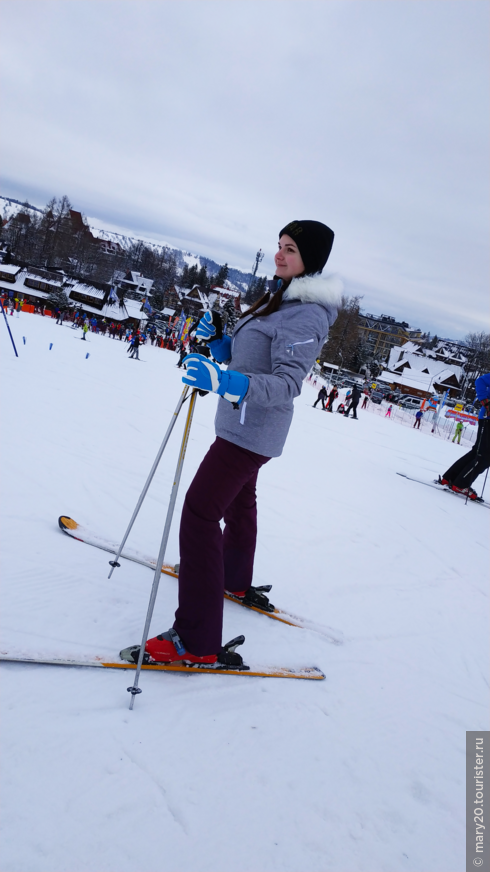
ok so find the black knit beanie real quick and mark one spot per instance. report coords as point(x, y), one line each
point(314, 241)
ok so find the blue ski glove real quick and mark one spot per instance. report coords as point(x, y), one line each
point(209, 327)
point(207, 376)
point(220, 348)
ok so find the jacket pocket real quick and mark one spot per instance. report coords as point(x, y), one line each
point(252, 416)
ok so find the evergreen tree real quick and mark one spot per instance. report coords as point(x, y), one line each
point(222, 276)
point(58, 299)
point(157, 296)
point(184, 278)
point(361, 353)
point(192, 277)
point(256, 290)
point(231, 315)
point(342, 345)
point(203, 278)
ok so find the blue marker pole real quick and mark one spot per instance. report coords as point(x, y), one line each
point(50, 346)
point(8, 328)
point(24, 339)
point(87, 355)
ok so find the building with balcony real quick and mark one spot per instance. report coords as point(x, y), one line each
point(382, 333)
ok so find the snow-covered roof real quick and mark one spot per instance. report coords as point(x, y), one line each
point(131, 309)
point(412, 378)
point(411, 347)
point(416, 363)
point(227, 292)
point(445, 374)
point(10, 268)
point(196, 293)
point(139, 279)
point(409, 379)
point(18, 287)
point(114, 312)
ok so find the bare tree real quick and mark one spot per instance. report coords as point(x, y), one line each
point(479, 354)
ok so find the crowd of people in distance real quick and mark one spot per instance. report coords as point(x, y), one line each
point(135, 337)
point(350, 403)
point(461, 475)
point(352, 399)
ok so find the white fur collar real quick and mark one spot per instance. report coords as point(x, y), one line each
point(326, 290)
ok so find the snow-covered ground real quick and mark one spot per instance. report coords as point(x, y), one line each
point(363, 771)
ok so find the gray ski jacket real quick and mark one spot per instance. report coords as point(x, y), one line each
point(276, 353)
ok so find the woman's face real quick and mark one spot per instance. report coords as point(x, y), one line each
point(288, 259)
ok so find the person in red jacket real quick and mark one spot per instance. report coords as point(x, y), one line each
point(331, 397)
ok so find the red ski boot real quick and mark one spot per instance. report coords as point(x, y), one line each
point(465, 491)
point(168, 648)
point(254, 597)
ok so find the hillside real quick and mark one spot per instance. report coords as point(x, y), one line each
point(238, 279)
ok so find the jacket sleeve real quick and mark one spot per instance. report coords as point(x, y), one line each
point(295, 345)
point(482, 387)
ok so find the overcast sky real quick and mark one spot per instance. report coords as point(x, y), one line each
point(210, 125)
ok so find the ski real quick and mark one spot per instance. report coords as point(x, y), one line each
point(83, 534)
point(442, 487)
point(310, 673)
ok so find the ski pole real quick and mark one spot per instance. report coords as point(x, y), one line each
point(114, 563)
point(8, 328)
point(484, 485)
point(161, 554)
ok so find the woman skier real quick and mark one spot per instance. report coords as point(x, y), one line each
point(271, 351)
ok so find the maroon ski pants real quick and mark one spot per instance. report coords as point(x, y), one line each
point(212, 560)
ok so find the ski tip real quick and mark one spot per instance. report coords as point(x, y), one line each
point(66, 523)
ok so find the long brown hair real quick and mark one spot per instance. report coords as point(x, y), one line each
point(273, 302)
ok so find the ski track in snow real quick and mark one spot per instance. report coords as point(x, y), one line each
point(211, 773)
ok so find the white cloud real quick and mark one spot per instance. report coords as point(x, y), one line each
point(212, 124)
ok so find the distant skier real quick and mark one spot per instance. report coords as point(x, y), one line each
point(134, 347)
point(461, 475)
point(418, 417)
point(388, 412)
point(365, 402)
point(354, 402)
point(322, 395)
point(183, 353)
point(458, 431)
point(85, 330)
